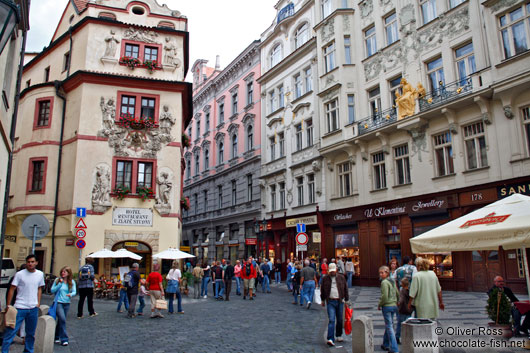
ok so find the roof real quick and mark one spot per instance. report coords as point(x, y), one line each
point(80, 5)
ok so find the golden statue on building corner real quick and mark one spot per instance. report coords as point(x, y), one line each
point(406, 101)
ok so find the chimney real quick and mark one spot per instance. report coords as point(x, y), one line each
point(217, 62)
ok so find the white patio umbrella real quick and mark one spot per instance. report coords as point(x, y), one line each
point(102, 254)
point(503, 223)
point(173, 254)
point(124, 253)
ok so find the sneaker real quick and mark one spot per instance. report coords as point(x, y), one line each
point(79, 317)
point(330, 343)
point(64, 344)
point(160, 315)
point(205, 297)
point(308, 305)
point(340, 339)
point(95, 314)
point(57, 341)
point(180, 312)
point(120, 311)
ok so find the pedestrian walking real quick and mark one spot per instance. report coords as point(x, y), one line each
point(289, 275)
point(228, 275)
point(265, 274)
point(323, 270)
point(173, 288)
point(156, 291)
point(350, 271)
point(132, 289)
point(425, 292)
point(403, 307)
point(198, 274)
point(340, 266)
point(278, 271)
point(249, 274)
point(28, 283)
point(237, 275)
point(388, 305)
point(334, 292)
point(393, 265)
point(141, 297)
point(86, 288)
point(217, 277)
point(64, 289)
point(296, 282)
point(123, 298)
point(205, 279)
point(407, 270)
point(307, 282)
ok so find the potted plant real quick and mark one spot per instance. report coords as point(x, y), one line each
point(151, 65)
point(187, 280)
point(138, 123)
point(121, 191)
point(499, 311)
point(185, 140)
point(130, 62)
point(185, 203)
point(144, 192)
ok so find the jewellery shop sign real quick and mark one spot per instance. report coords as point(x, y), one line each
point(137, 217)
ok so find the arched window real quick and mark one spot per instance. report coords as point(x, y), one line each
point(250, 138)
point(234, 146)
point(301, 35)
point(220, 156)
point(206, 159)
point(276, 54)
point(188, 169)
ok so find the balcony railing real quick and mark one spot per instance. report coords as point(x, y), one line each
point(286, 12)
point(378, 120)
point(446, 93)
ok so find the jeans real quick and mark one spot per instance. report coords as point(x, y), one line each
point(60, 328)
point(123, 299)
point(132, 303)
point(335, 309)
point(350, 279)
point(219, 288)
point(30, 316)
point(196, 289)
point(179, 301)
point(141, 299)
point(401, 317)
point(204, 288)
point(390, 337)
point(308, 290)
point(278, 277)
point(238, 285)
point(296, 294)
point(265, 284)
point(289, 281)
point(87, 293)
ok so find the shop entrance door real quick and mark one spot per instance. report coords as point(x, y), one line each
point(485, 266)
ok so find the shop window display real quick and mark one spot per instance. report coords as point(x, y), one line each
point(440, 263)
point(347, 245)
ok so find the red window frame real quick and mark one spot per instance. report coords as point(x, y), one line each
point(30, 175)
point(141, 50)
point(138, 103)
point(134, 177)
point(36, 115)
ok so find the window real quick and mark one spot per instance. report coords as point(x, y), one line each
point(298, 136)
point(391, 29)
point(188, 169)
point(526, 125)
point(281, 137)
point(66, 61)
point(282, 196)
point(220, 154)
point(428, 10)
point(276, 55)
point(198, 128)
point(221, 113)
point(124, 173)
point(234, 146)
point(196, 203)
point(272, 100)
point(344, 171)
point(311, 188)
point(130, 104)
point(206, 159)
point(249, 187)
point(189, 132)
point(145, 174)
point(135, 174)
point(272, 143)
point(148, 108)
point(370, 41)
point(347, 50)
point(329, 57)
point(378, 162)
point(298, 86)
point(273, 197)
point(207, 122)
point(301, 35)
point(281, 97)
point(197, 164)
point(351, 108)
point(395, 87)
point(234, 192)
point(465, 62)
point(332, 115)
point(250, 92)
point(132, 50)
point(514, 31)
point(326, 8)
point(374, 100)
point(300, 190)
point(443, 154)
point(46, 74)
point(37, 175)
point(435, 72)
point(401, 156)
point(250, 138)
point(309, 132)
point(455, 3)
point(475, 141)
point(234, 103)
point(150, 53)
point(43, 112)
point(308, 79)
point(219, 196)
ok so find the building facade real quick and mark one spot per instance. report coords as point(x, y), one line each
point(101, 119)
point(223, 159)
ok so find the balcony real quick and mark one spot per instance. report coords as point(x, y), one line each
point(446, 93)
point(286, 12)
point(377, 121)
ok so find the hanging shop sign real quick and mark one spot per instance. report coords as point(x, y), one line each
point(142, 217)
point(251, 241)
point(317, 237)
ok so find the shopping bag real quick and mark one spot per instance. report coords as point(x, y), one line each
point(52, 311)
point(160, 304)
point(9, 318)
point(316, 297)
point(348, 313)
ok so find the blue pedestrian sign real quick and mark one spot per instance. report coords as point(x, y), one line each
point(300, 227)
point(80, 212)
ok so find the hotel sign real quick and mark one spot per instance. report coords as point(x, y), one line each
point(309, 220)
point(138, 217)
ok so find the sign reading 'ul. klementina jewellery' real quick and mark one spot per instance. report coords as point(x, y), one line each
point(142, 217)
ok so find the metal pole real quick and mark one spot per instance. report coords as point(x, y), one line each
point(527, 275)
point(35, 227)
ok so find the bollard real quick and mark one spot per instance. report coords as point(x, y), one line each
point(45, 334)
point(418, 330)
point(43, 310)
point(362, 335)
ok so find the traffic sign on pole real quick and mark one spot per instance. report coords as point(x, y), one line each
point(80, 212)
point(80, 233)
point(302, 238)
point(80, 224)
point(300, 228)
point(80, 244)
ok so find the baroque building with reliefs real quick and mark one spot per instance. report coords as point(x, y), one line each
point(221, 180)
point(101, 118)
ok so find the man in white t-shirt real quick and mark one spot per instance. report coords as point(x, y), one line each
point(28, 283)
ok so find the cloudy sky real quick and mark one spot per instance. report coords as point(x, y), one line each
point(216, 27)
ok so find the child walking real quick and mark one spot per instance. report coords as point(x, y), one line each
point(141, 297)
point(403, 308)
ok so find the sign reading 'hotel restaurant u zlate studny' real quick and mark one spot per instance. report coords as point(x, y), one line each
point(142, 217)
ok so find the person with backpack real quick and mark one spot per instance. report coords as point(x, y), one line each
point(249, 274)
point(407, 270)
point(86, 288)
point(132, 288)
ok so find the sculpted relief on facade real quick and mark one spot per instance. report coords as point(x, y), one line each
point(101, 189)
point(164, 181)
point(140, 35)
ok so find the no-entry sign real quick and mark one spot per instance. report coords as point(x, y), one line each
point(302, 238)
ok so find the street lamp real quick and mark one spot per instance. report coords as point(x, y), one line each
point(9, 18)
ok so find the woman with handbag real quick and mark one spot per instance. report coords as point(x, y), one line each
point(173, 284)
point(64, 289)
point(156, 292)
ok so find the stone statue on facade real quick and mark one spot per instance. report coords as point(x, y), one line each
point(110, 50)
point(406, 101)
point(165, 185)
point(101, 190)
point(171, 57)
point(108, 110)
point(166, 120)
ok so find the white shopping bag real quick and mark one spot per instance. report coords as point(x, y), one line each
point(316, 297)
